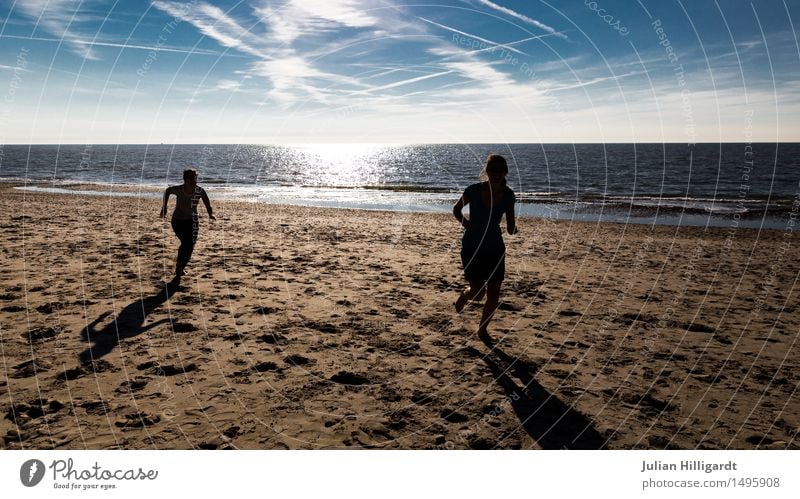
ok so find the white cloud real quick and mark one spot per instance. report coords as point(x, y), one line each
point(59, 18)
point(213, 23)
point(296, 18)
point(294, 74)
point(559, 64)
point(594, 81)
point(228, 85)
point(403, 82)
point(294, 55)
point(522, 17)
point(481, 72)
point(128, 46)
point(294, 79)
point(469, 35)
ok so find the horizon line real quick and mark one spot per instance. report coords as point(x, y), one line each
point(409, 143)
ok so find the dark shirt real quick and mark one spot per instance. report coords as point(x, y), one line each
point(484, 234)
point(186, 204)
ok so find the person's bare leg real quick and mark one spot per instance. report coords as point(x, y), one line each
point(474, 291)
point(180, 269)
point(492, 300)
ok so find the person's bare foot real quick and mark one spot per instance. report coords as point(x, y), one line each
point(484, 337)
point(462, 301)
point(173, 284)
point(180, 270)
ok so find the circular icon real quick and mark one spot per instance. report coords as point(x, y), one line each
point(31, 472)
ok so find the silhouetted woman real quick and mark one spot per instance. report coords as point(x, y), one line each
point(185, 221)
point(482, 248)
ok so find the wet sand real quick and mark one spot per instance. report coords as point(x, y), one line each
point(309, 328)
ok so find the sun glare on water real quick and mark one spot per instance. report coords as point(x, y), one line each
point(343, 164)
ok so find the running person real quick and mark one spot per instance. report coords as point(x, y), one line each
point(482, 248)
point(185, 221)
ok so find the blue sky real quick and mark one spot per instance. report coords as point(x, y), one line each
point(378, 71)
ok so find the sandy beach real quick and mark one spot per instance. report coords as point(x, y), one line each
point(308, 328)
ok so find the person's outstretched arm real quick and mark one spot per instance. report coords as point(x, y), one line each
point(462, 201)
point(511, 221)
point(207, 202)
point(167, 192)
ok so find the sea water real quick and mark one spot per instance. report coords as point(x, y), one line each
point(753, 185)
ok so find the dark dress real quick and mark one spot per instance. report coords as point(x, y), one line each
point(482, 248)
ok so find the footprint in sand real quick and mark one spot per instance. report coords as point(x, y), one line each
point(649, 403)
point(153, 367)
point(132, 385)
point(420, 398)
point(183, 327)
point(453, 416)
point(48, 308)
point(262, 367)
point(233, 432)
point(437, 322)
point(137, 420)
point(33, 409)
point(299, 360)
point(70, 374)
point(100, 366)
point(29, 368)
point(322, 327)
point(42, 333)
point(173, 370)
point(272, 339)
point(480, 443)
point(348, 378)
point(95, 407)
point(698, 328)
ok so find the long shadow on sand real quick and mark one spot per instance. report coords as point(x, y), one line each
point(128, 323)
point(549, 421)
